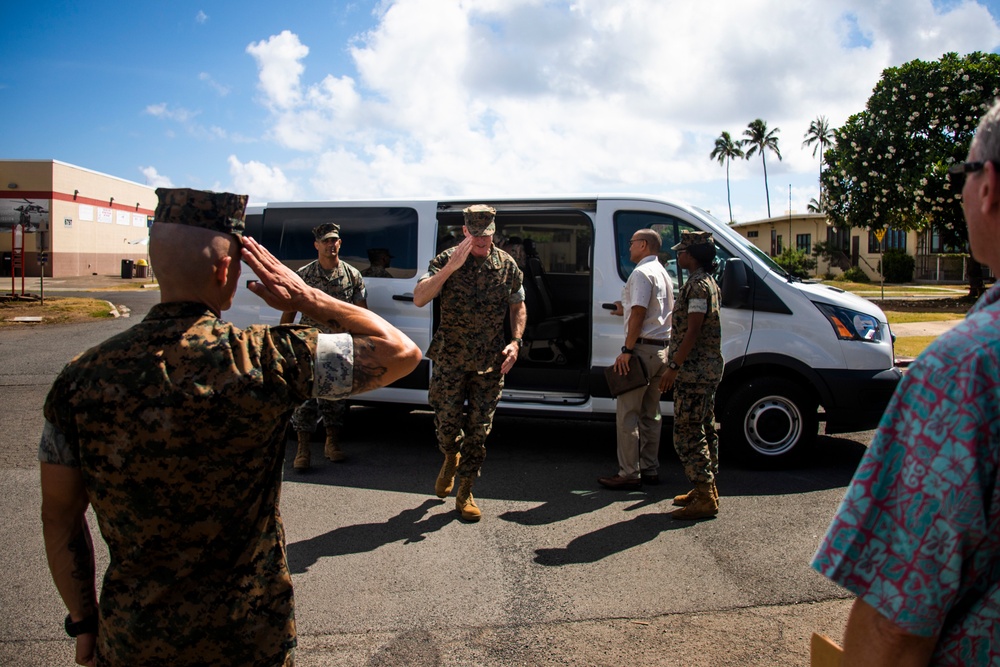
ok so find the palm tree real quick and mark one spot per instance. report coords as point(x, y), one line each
point(725, 150)
point(821, 135)
point(759, 139)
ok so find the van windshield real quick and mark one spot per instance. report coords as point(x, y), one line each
point(763, 257)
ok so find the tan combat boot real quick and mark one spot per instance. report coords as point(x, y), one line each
point(446, 478)
point(303, 454)
point(702, 506)
point(331, 449)
point(685, 499)
point(464, 502)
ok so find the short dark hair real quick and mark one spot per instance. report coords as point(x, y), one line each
point(704, 254)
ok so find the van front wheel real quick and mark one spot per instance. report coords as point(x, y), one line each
point(769, 420)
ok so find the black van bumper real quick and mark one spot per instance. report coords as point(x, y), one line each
point(857, 399)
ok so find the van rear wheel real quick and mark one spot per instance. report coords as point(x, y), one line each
point(770, 420)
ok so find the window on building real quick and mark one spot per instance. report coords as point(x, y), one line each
point(938, 244)
point(753, 234)
point(839, 238)
point(778, 245)
point(894, 239)
point(803, 243)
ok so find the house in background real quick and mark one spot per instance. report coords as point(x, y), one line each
point(74, 221)
point(934, 262)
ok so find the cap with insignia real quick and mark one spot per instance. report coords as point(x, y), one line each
point(479, 219)
point(216, 211)
point(328, 230)
point(689, 239)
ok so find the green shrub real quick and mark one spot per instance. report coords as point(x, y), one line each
point(856, 274)
point(898, 266)
point(796, 262)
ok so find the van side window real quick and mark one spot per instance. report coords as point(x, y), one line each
point(670, 228)
point(379, 241)
point(563, 242)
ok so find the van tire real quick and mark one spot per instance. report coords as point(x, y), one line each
point(769, 420)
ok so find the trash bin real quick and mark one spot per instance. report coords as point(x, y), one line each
point(140, 268)
point(127, 266)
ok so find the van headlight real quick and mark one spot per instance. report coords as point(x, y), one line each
point(851, 325)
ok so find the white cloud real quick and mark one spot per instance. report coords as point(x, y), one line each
point(261, 182)
point(215, 85)
point(279, 68)
point(201, 17)
point(161, 110)
point(520, 96)
point(155, 179)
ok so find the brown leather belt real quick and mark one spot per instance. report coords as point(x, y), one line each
point(650, 341)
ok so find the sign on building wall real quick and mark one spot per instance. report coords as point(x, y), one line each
point(138, 219)
point(29, 213)
point(123, 218)
point(105, 215)
point(87, 212)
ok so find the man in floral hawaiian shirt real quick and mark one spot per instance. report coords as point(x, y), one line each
point(917, 537)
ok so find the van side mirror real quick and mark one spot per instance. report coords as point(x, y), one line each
point(735, 284)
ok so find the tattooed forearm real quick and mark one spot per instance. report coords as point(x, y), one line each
point(81, 549)
point(368, 370)
point(334, 326)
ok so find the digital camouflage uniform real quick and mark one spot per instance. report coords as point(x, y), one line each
point(466, 350)
point(376, 272)
point(346, 284)
point(375, 268)
point(695, 439)
point(176, 427)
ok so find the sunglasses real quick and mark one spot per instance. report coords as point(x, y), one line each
point(958, 172)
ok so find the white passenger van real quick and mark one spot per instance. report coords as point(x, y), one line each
point(791, 348)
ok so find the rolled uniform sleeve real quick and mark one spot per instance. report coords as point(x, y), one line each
point(54, 448)
point(334, 374)
point(698, 306)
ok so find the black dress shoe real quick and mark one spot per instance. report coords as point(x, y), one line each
point(652, 479)
point(620, 483)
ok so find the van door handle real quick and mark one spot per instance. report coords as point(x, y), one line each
point(608, 306)
point(403, 297)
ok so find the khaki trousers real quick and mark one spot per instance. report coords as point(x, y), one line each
point(638, 418)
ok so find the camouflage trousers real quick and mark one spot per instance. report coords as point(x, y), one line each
point(305, 416)
point(695, 439)
point(460, 427)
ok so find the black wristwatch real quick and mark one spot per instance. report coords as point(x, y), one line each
point(87, 626)
point(625, 350)
point(673, 365)
point(519, 342)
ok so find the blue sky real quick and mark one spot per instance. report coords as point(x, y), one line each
point(400, 98)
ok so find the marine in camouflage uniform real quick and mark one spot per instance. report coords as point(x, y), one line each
point(378, 263)
point(173, 432)
point(344, 282)
point(694, 370)
point(478, 284)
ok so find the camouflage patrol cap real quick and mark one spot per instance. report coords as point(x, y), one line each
point(479, 219)
point(689, 239)
point(216, 211)
point(328, 230)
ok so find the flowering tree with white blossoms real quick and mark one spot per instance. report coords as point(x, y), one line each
point(888, 167)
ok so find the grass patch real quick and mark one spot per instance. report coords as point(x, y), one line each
point(55, 310)
point(898, 289)
point(904, 317)
point(911, 346)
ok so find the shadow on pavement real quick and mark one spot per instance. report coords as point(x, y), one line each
point(552, 462)
point(408, 526)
